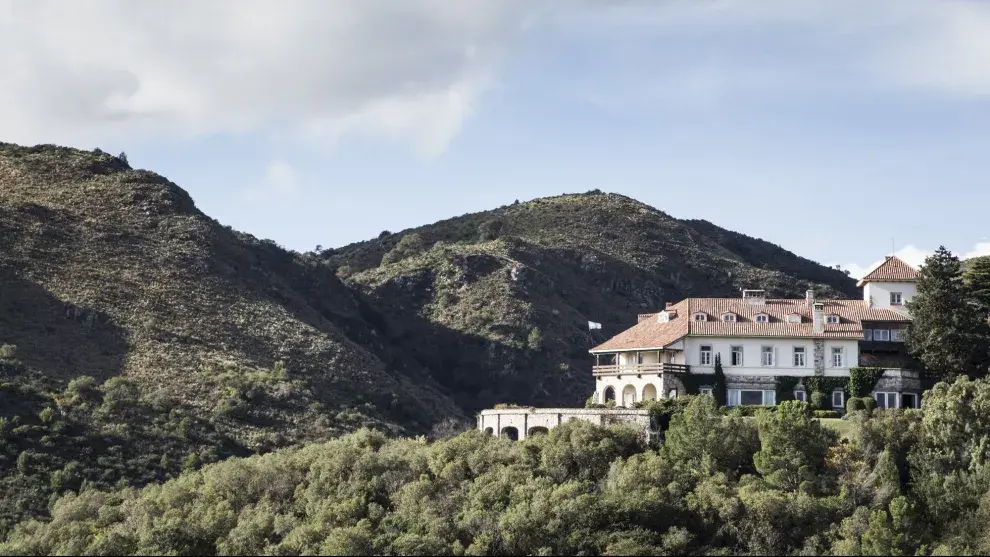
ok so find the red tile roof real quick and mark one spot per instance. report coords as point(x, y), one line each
point(893, 269)
point(651, 333)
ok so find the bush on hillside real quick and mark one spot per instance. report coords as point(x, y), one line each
point(409, 245)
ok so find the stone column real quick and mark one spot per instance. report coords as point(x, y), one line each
point(819, 356)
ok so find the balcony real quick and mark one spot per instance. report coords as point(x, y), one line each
point(639, 369)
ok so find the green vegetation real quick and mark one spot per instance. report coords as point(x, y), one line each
point(949, 333)
point(899, 482)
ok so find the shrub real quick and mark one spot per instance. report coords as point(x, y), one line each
point(820, 401)
point(409, 245)
point(826, 414)
point(869, 403)
point(855, 405)
point(746, 411)
point(8, 352)
point(490, 230)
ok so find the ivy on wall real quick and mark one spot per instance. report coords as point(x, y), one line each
point(785, 387)
point(825, 385)
point(862, 380)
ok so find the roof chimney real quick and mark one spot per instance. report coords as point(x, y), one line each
point(755, 297)
point(810, 297)
point(669, 305)
point(818, 317)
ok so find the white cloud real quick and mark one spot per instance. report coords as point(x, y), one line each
point(915, 256)
point(279, 183)
point(83, 73)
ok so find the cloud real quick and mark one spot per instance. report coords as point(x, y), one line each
point(410, 71)
point(914, 256)
point(278, 184)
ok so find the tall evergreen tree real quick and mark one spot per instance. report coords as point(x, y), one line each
point(719, 390)
point(947, 334)
point(977, 279)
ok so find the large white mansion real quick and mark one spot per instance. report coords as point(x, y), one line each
point(759, 340)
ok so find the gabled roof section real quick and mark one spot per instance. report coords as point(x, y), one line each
point(652, 334)
point(893, 269)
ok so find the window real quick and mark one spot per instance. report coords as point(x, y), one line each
point(897, 335)
point(738, 397)
point(837, 399)
point(737, 356)
point(837, 356)
point(882, 335)
point(794, 318)
point(800, 395)
point(762, 318)
point(909, 400)
point(701, 317)
point(672, 393)
point(767, 356)
point(799, 360)
point(706, 356)
point(895, 299)
point(867, 334)
point(729, 317)
point(832, 319)
point(885, 400)
point(705, 391)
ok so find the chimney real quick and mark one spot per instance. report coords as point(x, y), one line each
point(818, 317)
point(810, 297)
point(755, 297)
point(670, 305)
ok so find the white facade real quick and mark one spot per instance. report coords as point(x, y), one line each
point(880, 293)
point(782, 359)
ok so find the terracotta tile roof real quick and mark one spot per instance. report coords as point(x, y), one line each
point(651, 333)
point(893, 269)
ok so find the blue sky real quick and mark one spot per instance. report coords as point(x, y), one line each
point(829, 128)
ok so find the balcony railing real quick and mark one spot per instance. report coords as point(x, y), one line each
point(640, 369)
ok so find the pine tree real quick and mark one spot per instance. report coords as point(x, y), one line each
point(947, 334)
point(977, 279)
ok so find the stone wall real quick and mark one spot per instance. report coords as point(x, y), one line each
point(525, 420)
point(819, 357)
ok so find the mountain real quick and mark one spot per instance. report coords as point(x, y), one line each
point(496, 304)
point(140, 338)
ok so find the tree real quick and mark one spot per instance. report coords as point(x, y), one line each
point(947, 334)
point(719, 391)
point(977, 279)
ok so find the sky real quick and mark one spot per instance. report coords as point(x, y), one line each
point(839, 130)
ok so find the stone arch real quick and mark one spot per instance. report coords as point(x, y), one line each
point(628, 396)
point(649, 392)
point(489, 431)
point(510, 433)
point(537, 430)
point(609, 394)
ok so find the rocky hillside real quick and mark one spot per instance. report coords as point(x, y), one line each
point(496, 304)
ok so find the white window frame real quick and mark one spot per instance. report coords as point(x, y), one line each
point(868, 335)
point(839, 351)
point(914, 397)
point(881, 335)
point(732, 354)
point(897, 335)
point(801, 396)
point(705, 391)
point(833, 319)
point(897, 298)
point(767, 398)
point(729, 317)
point(842, 399)
point(762, 318)
point(883, 398)
point(773, 356)
point(700, 316)
point(803, 352)
point(704, 350)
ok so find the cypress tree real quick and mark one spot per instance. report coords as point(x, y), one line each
point(947, 334)
point(719, 390)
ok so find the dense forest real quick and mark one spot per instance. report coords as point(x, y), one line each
point(896, 482)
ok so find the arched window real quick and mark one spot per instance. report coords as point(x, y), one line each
point(700, 316)
point(629, 396)
point(672, 393)
point(534, 431)
point(649, 392)
point(729, 317)
point(510, 433)
point(832, 319)
point(762, 318)
point(609, 394)
point(489, 431)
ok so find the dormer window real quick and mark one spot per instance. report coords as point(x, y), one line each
point(700, 316)
point(832, 319)
point(762, 318)
point(729, 317)
point(794, 318)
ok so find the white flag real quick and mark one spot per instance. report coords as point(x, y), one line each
point(593, 325)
